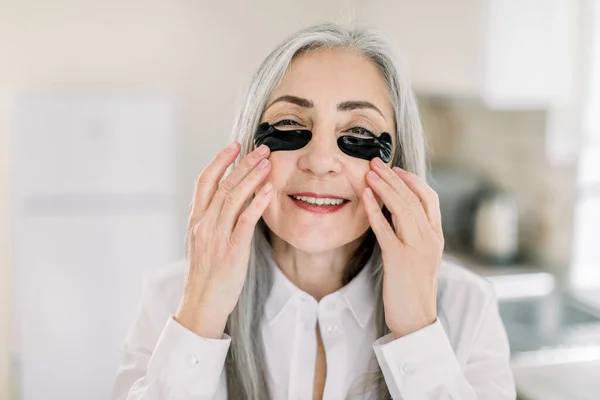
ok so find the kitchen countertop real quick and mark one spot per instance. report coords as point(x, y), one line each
point(558, 374)
point(587, 299)
point(511, 282)
point(565, 363)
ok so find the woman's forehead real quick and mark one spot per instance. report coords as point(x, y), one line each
point(333, 76)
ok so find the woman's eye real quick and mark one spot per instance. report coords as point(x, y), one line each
point(286, 122)
point(359, 130)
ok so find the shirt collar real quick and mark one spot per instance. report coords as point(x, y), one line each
point(282, 291)
point(358, 293)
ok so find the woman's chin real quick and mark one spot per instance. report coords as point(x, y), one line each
point(311, 240)
point(313, 245)
point(313, 235)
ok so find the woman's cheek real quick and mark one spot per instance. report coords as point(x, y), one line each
point(360, 184)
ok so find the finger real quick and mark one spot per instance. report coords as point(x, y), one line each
point(233, 205)
point(207, 182)
point(248, 163)
point(244, 228)
point(429, 198)
point(381, 227)
point(409, 217)
point(411, 198)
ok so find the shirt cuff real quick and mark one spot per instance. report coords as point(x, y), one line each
point(417, 363)
point(187, 364)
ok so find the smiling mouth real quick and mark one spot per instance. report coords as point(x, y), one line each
point(320, 201)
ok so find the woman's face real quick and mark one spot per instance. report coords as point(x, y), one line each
point(331, 93)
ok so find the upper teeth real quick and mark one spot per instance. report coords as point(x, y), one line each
point(319, 201)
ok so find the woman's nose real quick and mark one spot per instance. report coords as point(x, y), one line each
point(321, 155)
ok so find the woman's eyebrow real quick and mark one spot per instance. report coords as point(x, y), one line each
point(343, 106)
point(299, 101)
point(355, 104)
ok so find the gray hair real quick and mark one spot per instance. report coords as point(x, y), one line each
point(245, 364)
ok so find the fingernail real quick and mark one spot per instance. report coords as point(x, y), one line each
point(379, 163)
point(268, 187)
point(232, 146)
point(263, 164)
point(369, 193)
point(262, 150)
point(398, 169)
point(373, 175)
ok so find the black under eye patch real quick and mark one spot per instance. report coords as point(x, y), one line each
point(296, 139)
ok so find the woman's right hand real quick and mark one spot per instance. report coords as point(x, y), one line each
point(219, 236)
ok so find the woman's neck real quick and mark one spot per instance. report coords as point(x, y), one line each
point(317, 274)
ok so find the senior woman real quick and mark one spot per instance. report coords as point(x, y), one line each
point(314, 268)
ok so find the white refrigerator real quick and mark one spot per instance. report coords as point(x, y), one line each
point(93, 187)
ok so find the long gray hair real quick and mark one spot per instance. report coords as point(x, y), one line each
point(245, 364)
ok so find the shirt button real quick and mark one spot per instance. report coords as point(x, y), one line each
point(407, 369)
point(331, 306)
point(191, 360)
point(332, 328)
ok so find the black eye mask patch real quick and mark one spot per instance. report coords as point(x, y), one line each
point(296, 139)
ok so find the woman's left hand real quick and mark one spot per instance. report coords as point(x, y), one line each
point(411, 251)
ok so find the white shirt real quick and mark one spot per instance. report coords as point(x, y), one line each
point(464, 355)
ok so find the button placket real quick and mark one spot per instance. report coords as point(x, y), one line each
point(336, 346)
point(332, 328)
point(309, 320)
point(329, 317)
point(305, 319)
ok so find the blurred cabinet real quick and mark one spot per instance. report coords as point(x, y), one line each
point(507, 53)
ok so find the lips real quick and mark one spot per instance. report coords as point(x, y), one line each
point(319, 208)
point(318, 196)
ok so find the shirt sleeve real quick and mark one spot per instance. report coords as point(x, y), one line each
point(423, 365)
point(164, 360)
